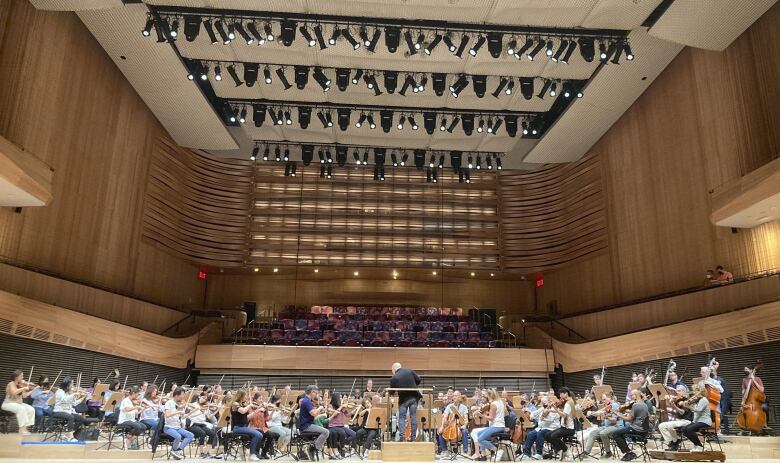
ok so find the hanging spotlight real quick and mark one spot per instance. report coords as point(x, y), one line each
point(365, 157)
point(173, 30)
point(441, 162)
point(329, 119)
point(240, 29)
point(490, 125)
point(497, 126)
point(307, 35)
point(147, 30)
point(436, 39)
point(435, 176)
point(328, 157)
point(287, 118)
point(321, 79)
point(282, 78)
point(423, 82)
point(286, 154)
point(511, 125)
point(470, 162)
point(587, 48)
point(413, 123)
point(386, 120)
point(498, 163)
point(527, 87)
point(341, 156)
point(453, 124)
point(404, 158)
point(360, 120)
point(267, 75)
point(536, 50)
point(355, 44)
point(371, 124)
point(468, 124)
point(432, 161)
point(391, 81)
point(455, 160)
point(569, 51)
point(617, 52)
point(419, 159)
point(409, 42)
point(304, 116)
point(250, 73)
point(217, 73)
point(429, 122)
point(322, 171)
point(204, 72)
point(526, 46)
point(294, 169)
point(356, 156)
point(489, 162)
point(511, 46)
point(392, 38)
point(480, 85)
point(443, 125)
point(242, 116)
point(210, 31)
point(357, 76)
point(369, 82)
point(510, 87)
point(321, 156)
point(269, 35)
point(301, 76)
point(258, 114)
point(524, 125)
point(553, 89)
point(501, 84)
point(255, 152)
point(307, 154)
point(330, 171)
point(371, 45)
point(628, 52)
point(549, 50)
point(479, 162)
point(494, 43)
point(401, 121)
point(279, 118)
point(320, 38)
point(220, 26)
point(448, 42)
point(375, 85)
point(334, 35)
point(475, 49)
point(439, 83)
point(364, 35)
point(343, 115)
point(481, 126)
point(342, 78)
point(277, 154)
point(321, 117)
point(394, 159)
point(288, 32)
point(545, 88)
point(266, 153)
point(561, 48)
point(255, 33)
point(467, 174)
point(408, 82)
point(464, 40)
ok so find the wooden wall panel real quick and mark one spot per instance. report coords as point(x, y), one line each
point(224, 357)
point(63, 99)
point(708, 118)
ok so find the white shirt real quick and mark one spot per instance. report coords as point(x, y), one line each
point(569, 421)
point(175, 420)
point(498, 420)
point(126, 416)
point(65, 402)
point(275, 419)
point(151, 412)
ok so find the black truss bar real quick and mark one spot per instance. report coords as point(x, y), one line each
point(288, 143)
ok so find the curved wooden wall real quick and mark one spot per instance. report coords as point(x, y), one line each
point(552, 216)
point(28, 318)
point(198, 206)
point(739, 328)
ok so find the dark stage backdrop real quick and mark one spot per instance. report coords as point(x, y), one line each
point(732, 363)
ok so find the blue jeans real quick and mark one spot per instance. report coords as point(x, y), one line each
point(40, 412)
point(151, 424)
point(464, 433)
point(535, 436)
point(181, 437)
point(410, 406)
point(484, 437)
point(257, 436)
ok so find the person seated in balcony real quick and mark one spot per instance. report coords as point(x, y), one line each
point(709, 279)
point(723, 276)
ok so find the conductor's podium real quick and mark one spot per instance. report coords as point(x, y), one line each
point(408, 451)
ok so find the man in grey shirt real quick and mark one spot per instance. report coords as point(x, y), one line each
point(637, 424)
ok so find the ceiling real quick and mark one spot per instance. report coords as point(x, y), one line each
point(191, 112)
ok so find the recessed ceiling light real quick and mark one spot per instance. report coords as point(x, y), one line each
point(257, 269)
point(276, 270)
point(473, 274)
point(356, 273)
point(434, 273)
point(316, 270)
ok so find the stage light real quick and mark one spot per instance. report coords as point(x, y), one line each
point(307, 154)
point(511, 125)
point(527, 87)
point(360, 120)
point(494, 43)
point(413, 123)
point(320, 38)
point(301, 76)
point(481, 126)
point(255, 152)
point(365, 157)
point(391, 81)
point(258, 114)
point(357, 76)
point(428, 175)
point(334, 35)
point(231, 31)
point(392, 38)
point(321, 79)
point(279, 118)
point(511, 46)
point(628, 52)
point(475, 49)
point(432, 161)
point(467, 174)
point(328, 157)
point(440, 165)
point(356, 155)
point(409, 42)
point(368, 81)
point(436, 39)
point(435, 176)
point(443, 125)
point(371, 124)
point(602, 52)
point(267, 75)
point(304, 116)
point(489, 162)
point(470, 162)
point(526, 46)
point(464, 40)
point(321, 156)
point(294, 169)
point(561, 48)
point(612, 49)
point(501, 84)
point(240, 29)
point(330, 171)
point(448, 42)
point(307, 35)
point(536, 50)
point(204, 72)
point(587, 48)
point(419, 159)
point(342, 78)
point(343, 115)
point(459, 85)
point(321, 117)
point(498, 163)
point(355, 44)
point(497, 126)
point(420, 39)
point(250, 73)
point(453, 124)
point(277, 154)
point(524, 125)
point(401, 121)
point(371, 45)
point(545, 88)
point(364, 35)
point(322, 171)
point(439, 83)
point(286, 154)
point(429, 122)
point(220, 26)
point(282, 78)
point(569, 51)
point(510, 87)
point(210, 31)
point(147, 30)
point(242, 116)
point(394, 159)
point(549, 50)
point(288, 31)
point(255, 33)
point(479, 162)
point(480, 85)
point(468, 124)
point(423, 83)
point(173, 30)
point(329, 119)
point(489, 125)
point(386, 120)
point(375, 85)
point(553, 89)
point(455, 160)
point(404, 158)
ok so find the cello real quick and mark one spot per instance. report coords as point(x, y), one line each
point(713, 396)
point(752, 417)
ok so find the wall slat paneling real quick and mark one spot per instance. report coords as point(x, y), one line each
point(91, 127)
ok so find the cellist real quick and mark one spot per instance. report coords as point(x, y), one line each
point(458, 412)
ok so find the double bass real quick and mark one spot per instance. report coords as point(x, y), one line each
point(751, 416)
point(713, 396)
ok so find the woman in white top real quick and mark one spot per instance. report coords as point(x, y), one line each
point(151, 410)
point(497, 424)
point(556, 437)
point(477, 430)
point(15, 391)
point(201, 425)
point(129, 409)
point(276, 425)
point(65, 401)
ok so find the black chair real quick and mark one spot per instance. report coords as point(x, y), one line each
point(5, 418)
point(638, 439)
point(233, 443)
point(503, 440)
point(301, 440)
point(57, 427)
point(160, 438)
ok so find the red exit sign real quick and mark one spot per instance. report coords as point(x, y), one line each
point(539, 280)
point(202, 275)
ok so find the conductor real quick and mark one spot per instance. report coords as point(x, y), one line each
point(407, 400)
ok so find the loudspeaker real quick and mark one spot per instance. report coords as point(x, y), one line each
point(250, 308)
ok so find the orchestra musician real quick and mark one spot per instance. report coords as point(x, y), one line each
point(638, 423)
point(556, 437)
point(239, 417)
point(306, 419)
point(113, 386)
point(276, 425)
point(610, 422)
point(364, 436)
point(15, 391)
point(597, 381)
point(407, 400)
point(548, 420)
point(151, 410)
point(724, 406)
point(338, 425)
point(480, 402)
point(202, 425)
point(41, 396)
point(456, 406)
point(496, 416)
point(174, 410)
point(702, 417)
point(675, 383)
point(369, 388)
point(66, 399)
point(678, 417)
point(258, 418)
point(129, 409)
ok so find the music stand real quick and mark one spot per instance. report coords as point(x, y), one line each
point(599, 391)
point(584, 423)
point(111, 403)
point(99, 392)
point(377, 418)
point(658, 391)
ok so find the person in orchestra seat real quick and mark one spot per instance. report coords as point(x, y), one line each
point(407, 400)
point(675, 383)
point(66, 399)
point(306, 420)
point(338, 426)
point(201, 425)
point(239, 417)
point(142, 388)
point(15, 391)
point(365, 436)
point(725, 395)
point(597, 380)
point(109, 414)
point(41, 396)
point(496, 417)
point(548, 421)
point(129, 409)
point(678, 417)
point(151, 409)
point(701, 418)
point(510, 407)
point(611, 422)
point(463, 411)
point(369, 388)
point(723, 276)
point(556, 437)
point(93, 403)
point(635, 378)
point(639, 421)
point(276, 424)
point(174, 425)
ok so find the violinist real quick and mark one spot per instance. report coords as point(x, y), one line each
point(457, 411)
point(338, 424)
point(496, 416)
point(201, 425)
point(700, 406)
point(306, 419)
point(239, 417)
point(275, 423)
point(565, 409)
point(41, 396)
point(175, 410)
point(66, 399)
point(258, 419)
point(547, 421)
point(597, 380)
point(129, 409)
point(610, 422)
point(638, 423)
point(675, 383)
point(369, 388)
point(15, 391)
point(364, 435)
point(679, 416)
point(481, 406)
point(151, 409)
